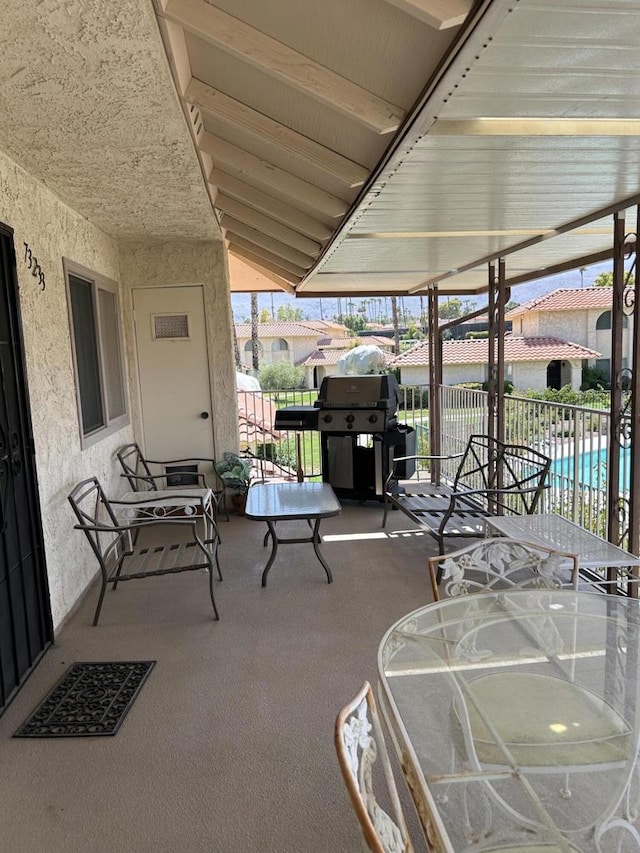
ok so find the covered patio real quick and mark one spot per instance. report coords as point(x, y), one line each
point(228, 745)
point(404, 147)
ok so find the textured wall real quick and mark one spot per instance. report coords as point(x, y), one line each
point(157, 265)
point(53, 230)
point(88, 105)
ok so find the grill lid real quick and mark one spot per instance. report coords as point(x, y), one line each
point(379, 391)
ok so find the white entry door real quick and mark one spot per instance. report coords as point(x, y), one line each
point(174, 372)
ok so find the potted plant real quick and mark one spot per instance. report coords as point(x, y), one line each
point(235, 474)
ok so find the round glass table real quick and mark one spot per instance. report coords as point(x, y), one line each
point(515, 715)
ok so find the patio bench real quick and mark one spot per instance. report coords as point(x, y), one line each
point(492, 478)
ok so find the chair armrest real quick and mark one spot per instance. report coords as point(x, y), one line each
point(146, 477)
point(188, 459)
point(415, 458)
point(135, 525)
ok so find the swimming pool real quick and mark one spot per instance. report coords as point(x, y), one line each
point(592, 469)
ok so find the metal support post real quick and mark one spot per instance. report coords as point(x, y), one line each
point(633, 303)
point(614, 500)
point(435, 380)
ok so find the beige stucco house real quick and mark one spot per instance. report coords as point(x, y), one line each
point(581, 316)
point(536, 363)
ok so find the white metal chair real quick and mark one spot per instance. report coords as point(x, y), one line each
point(499, 563)
point(359, 743)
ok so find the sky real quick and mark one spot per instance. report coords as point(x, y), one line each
point(319, 309)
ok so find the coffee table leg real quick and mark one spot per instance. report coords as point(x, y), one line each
point(274, 550)
point(316, 548)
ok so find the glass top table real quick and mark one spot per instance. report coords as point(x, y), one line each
point(516, 716)
point(554, 531)
point(275, 502)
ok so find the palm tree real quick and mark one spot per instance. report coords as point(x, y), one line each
point(255, 353)
point(396, 330)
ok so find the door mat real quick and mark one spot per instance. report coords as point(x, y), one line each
point(90, 700)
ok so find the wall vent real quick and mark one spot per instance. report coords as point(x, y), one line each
point(171, 326)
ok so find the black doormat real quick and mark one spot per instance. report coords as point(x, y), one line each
point(90, 700)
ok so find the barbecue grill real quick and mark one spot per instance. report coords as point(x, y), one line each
point(360, 434)
point(358, 403)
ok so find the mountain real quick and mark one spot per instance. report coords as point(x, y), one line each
point(326, 309)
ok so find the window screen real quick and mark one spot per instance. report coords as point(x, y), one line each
point(86, 347)
point(97, 349)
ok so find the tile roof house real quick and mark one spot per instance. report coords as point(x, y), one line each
point(582, 316)
point(537, 362)
point(292, 342)
point(324, 360)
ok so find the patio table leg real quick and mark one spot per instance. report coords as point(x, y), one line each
point(316, 548)
point(274, 550)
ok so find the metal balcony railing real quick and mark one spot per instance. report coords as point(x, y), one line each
point(575, 438)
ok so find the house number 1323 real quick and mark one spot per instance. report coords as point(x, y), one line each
point(32, 263)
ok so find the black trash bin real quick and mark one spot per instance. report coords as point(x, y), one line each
point(402, 442)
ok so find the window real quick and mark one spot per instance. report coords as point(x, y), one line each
point(248, 347)
point(279, 346)
point(97, 353)
point(604, 321)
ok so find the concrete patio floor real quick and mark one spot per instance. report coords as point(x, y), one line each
point(229, 746)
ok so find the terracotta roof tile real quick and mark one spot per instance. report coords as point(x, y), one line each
point(278, 330)
point(566, 299)
point(515, 349)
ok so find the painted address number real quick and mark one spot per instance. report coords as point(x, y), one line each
point(32, 263)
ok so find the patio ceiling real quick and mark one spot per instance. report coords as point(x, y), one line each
point(374, 146)
point(293, 103)
point(383, 146)
point(534, 126)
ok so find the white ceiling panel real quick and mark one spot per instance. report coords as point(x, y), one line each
point(531, 128)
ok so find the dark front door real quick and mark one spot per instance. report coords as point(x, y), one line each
point(25, 614)
point(554, 375)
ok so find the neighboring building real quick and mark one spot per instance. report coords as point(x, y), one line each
point(582, 316)
point(292, 342)
point(536, 363)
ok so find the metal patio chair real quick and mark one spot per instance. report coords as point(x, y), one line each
point(501, 563)
point(120, 559)
point(359, 743)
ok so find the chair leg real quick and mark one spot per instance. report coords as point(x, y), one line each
point(213, 600)
point(386, 510)
point(217, 560)
point(103, 589)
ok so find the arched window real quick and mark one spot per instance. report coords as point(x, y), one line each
point(604, 321)
point(280, 346)
point(248, 347)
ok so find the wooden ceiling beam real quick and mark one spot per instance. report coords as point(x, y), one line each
point(230, 111)
point(258, 262)
point(301, 259)
point(252, 169)
point(265, 255)
point(270, 206)
point(263, 223)
point(285, 64)
point(439, 14)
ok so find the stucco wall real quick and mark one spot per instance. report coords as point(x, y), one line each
point(53, 230)
point(299, 349)
point(158, 265)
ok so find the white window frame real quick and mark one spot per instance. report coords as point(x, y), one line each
point(98, 282)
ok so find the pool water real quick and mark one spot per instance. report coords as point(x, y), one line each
point(592, 469)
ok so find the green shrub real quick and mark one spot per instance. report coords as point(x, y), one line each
point(282, 376)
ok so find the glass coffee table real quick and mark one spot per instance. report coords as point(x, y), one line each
point(277, 502)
